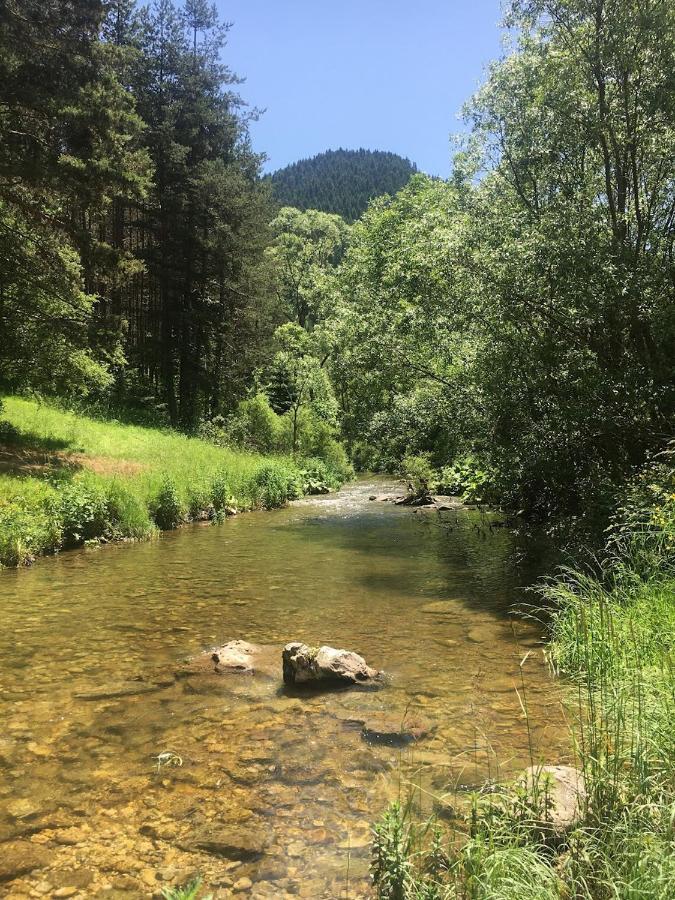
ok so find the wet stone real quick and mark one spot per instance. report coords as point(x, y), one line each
point(21, 858)
point(395, 731)
point(122, 689)
point(235, 843)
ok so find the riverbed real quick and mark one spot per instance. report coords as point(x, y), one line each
point(118, 779)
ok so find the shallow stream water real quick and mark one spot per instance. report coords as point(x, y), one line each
point(267, 794)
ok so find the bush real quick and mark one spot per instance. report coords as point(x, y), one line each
point(274, 485)
point(419, 473)
point(255, 426)
point(221, 496)
point(83, 512)
point(318, 477)
point(28, 524)
point(469, 479)
point(128, 516)
point(167, 509)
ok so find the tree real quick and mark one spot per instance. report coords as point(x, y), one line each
point(341, 181)
point(306, 247)
point(196, 314)
point(67, 131)
point(295, 380)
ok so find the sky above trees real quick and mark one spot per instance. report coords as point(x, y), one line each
point(380, 74)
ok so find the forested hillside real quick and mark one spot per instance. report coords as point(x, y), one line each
point(132, 218)
point(341, 181)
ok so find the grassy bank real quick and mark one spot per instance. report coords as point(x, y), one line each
point(613, 636)
point(66, 479)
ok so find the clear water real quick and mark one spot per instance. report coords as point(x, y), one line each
point(79, 778)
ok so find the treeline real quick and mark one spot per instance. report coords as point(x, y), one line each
point(513, 329)
point(341, 181)
point(133, 221)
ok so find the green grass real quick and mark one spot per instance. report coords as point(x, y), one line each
point(79, 479)
point(613, 637)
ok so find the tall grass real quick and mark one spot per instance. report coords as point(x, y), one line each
point(613, 636)
point(78, 479)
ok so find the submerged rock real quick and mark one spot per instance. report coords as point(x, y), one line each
point(395, 731)
point(235, 657)
point(559, 792)
point(324, 665)
point(119, 689)
point(236, 842)
point(21, 858)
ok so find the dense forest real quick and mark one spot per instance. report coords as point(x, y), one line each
point(341, 181)
point(132, 216)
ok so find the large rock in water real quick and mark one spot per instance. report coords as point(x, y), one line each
point(560, 793)
point(309, 665)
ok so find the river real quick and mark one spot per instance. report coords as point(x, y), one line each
point(267, 794)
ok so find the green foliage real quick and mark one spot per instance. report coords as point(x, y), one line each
point(535, 302)
point(190, 891)
point(614, 633)
point(274, 485)
point(306, 248)
point(391, 866)
point(221, 495)
point(28, 522)
point(255, 426)
point(341, 181)
point(319, 477)
point(419, 474)
point(159, 479)
point(467, 478)
point(167, 509)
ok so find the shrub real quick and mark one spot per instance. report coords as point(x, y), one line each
point(419, 473)
point(221, 496)
point(255, 425)
point(318, 478)
point(83, 512)
point(167, 509)
point(468, 478)
point(273, 485)
point(28, 526)
point(128, 516)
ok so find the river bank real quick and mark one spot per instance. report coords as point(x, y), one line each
point(613, 636)
point(276, 793)
point(66, 479)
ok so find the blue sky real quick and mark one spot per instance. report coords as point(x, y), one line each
point(381, 74)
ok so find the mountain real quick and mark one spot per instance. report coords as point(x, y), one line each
point(341, 181)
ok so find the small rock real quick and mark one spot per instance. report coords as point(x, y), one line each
point(23, 809)
point(235, 657)
point(149, 877)
point(20, 858)
point(121, 689)
point(66, 891)
point(234, 843)
point(484, 634)
point(560, 791)
point(439, 607)
point(244, 884)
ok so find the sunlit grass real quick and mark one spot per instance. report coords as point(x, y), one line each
point(80, 479)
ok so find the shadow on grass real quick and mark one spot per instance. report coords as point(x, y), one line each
point(27, 453)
